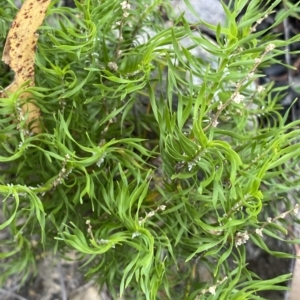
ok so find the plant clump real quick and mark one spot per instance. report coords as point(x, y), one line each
point(152, 164)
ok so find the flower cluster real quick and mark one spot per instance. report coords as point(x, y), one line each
point(238, 98)
point(270, 47)
point(89, 230)
point(151, 214)
point(125, 7)
point(20, 115)
point(214, 123)
point(260, 89)
point(259, 231)
point(259, 21)
point(197, 157)
point(20, 123)
point(294, 210)
point(100, 161)
point(135, 234)
point(64, 173)
point(212, 289)
point(241, 238)
point(113, 66)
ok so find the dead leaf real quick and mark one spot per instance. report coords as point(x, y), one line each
point(19, 54)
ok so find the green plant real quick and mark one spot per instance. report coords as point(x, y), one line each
point(149, 176)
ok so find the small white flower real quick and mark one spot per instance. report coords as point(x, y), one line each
point(269, 220)
point(238, 98)
point(212, 289)
point(21, 117)
point(118, 23)
point(113, 66)
point(241, 238)
point(162, 207)
point(270, 47)
point(99, 162)
point(125, 14)
point(260, 89)
point(103, 242)
point(69, 172)
point(150, 214)
point(220, 105)
point(215, 123)
point(250, 75)
point(259, 20)
point(135, 234)
point(296, 209)
point(283, 215)
point(259, 231)
point(191, 165)
point(125, 5)
point(257, 60)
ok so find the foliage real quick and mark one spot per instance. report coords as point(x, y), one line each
point(152, 164)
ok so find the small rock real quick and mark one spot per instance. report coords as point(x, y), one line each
point(210, 11)
point(91, 293)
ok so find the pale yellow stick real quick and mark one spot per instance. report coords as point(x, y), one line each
point(19, 54)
